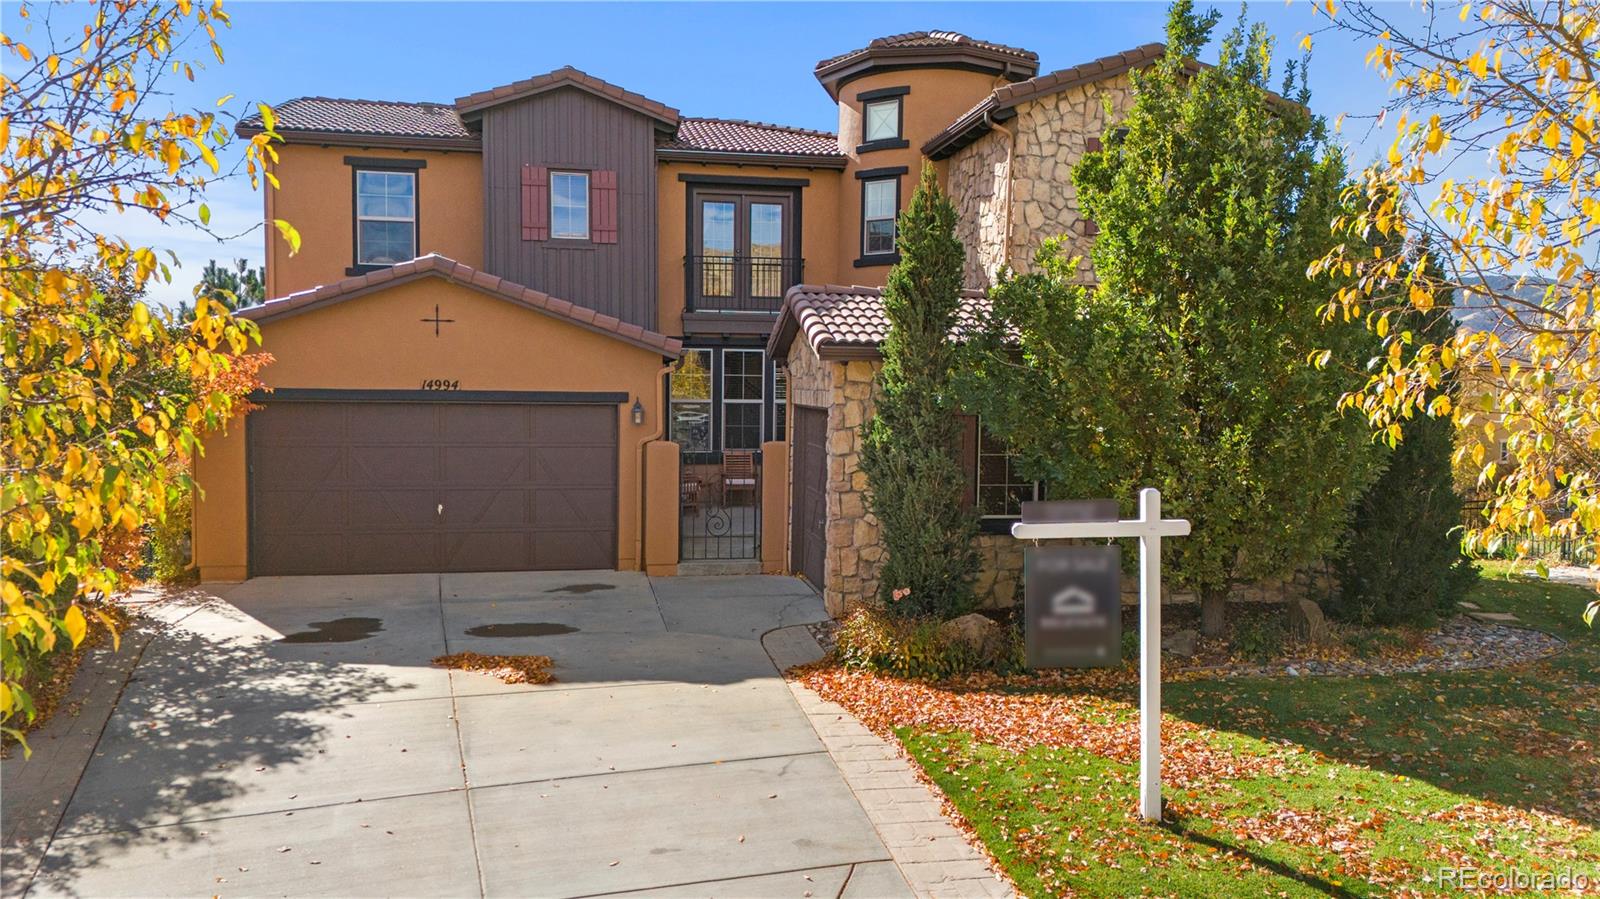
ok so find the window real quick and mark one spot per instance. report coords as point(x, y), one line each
point(881, 120)
point(569, 205)
point(742, 379)
point(386, 217)
point(691, 401)
point(743, 248)
point(1001, 489)
point(780, 404)
point(878, 201)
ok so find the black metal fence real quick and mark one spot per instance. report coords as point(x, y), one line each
point(741, 283)
point(719, 510)
point(1565, 550)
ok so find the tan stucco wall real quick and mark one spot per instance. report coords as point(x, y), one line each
point(937, 97)
point(318, 199)
point(378, 341)
point(819, 204)
point(775, 507)
point(662, 464)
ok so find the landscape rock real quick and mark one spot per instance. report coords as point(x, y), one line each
point(1183, 643)
point(1307, 623)
point(977, 631)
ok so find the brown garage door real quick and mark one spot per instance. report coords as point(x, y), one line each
point(384, 487)
point(808, 499)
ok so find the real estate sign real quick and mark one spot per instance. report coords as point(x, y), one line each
point(1072, 600)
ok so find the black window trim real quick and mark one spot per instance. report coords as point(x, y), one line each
point(359, 164)
point(718, 423)
point(991, 524)
point(694, 185)
point(867, 98)
point(867, 176)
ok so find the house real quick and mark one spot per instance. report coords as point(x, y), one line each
point(557, 323)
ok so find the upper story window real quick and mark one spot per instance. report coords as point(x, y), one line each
point(386, 217)
point(883, 119)
point(880, 200)
point(743, 246)
point(569, 205)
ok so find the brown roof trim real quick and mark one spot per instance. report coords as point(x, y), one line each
point(567, 76)
point(436, 266)
point(925, 49)
point(998, 105)
point(731, 157)
point(360, 139)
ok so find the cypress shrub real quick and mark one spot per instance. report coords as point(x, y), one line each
point(911, 445)
point(1401, 561)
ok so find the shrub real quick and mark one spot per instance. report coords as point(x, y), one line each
point(1401, 560)
point(919, 648)
point(911, 445)
point(171, 543)
point(1259, 638)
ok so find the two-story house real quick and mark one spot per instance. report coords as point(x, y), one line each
point(543, 326)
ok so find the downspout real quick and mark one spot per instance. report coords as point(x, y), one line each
point(661, 430)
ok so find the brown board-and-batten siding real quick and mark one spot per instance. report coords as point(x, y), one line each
point(573, 130)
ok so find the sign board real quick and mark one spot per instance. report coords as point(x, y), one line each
point(1072, 604)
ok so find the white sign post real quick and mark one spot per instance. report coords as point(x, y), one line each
point(1149, 527)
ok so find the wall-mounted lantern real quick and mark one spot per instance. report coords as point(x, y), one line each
point(638, 412)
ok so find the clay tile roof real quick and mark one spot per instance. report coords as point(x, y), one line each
point(333, 116)
point(913, 40)
point(976, 120)
point(436, 266)
point(562, 77)
point(739, 136)
point(849, 322)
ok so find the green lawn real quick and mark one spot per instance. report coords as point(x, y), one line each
point(1346, 786)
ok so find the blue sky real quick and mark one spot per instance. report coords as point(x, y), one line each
point(733, 60)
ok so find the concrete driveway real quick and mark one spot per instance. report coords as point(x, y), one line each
point(287, 736)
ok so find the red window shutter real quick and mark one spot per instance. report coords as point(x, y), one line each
point(969, 460)
point(535, 202)
point(603, 206)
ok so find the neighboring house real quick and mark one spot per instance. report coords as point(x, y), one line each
point(539, 327)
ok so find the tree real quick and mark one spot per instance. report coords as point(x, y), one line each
point(911, 445)
point(1495, 164)
point(1401, 560)
point(232, 289)
point(91, 438)
point(1185, 366)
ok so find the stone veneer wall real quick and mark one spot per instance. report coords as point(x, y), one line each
point(854, 553)
point(1013, 187)
point(979, 183)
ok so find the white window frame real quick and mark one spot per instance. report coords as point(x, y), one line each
point(758, 402)
point(780, 401)
point(361, 258)
point(866, 119)
point(709, 402)
point(588, 221)
point(866, 188)
point(978, 482)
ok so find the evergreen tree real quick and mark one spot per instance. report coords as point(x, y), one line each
point(1185, 367)
point(1401, 562)
point(911, 445)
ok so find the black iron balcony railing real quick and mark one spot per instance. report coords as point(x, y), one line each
point(741, 283)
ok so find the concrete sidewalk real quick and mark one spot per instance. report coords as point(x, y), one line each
point(288, 736)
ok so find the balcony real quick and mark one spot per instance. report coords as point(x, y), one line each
point(740, 283)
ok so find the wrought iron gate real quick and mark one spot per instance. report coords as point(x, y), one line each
point(719, 509)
